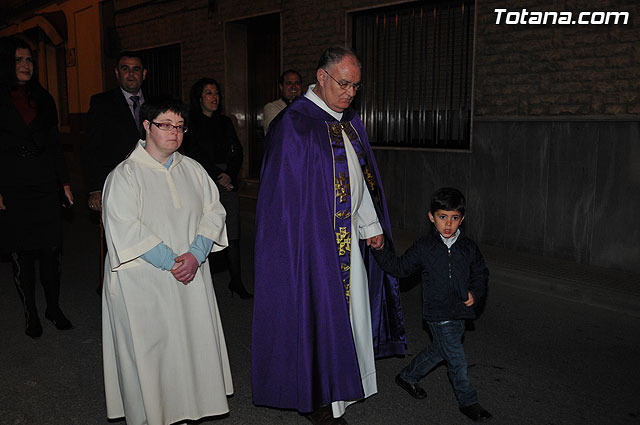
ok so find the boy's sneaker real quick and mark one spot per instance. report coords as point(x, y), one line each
point(414, 390)
point(476, 413)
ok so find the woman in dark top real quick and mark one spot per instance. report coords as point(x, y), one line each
point(33, 176)
point(212, 141)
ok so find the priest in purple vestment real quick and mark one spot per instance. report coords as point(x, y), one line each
point(323, 309)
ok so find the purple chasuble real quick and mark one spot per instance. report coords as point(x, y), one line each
point(303, 354)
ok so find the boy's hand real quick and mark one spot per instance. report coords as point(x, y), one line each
point(470, 301)
point(376, 242)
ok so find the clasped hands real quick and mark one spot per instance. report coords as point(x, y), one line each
point(376, 242)
point(185, 268)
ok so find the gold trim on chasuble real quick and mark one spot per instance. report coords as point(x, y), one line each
point(370, 179)
point(341, 203)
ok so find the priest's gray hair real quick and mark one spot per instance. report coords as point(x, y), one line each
point(334, 54)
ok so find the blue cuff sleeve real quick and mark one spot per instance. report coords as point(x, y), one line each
point(200, 248)
point(160, 256)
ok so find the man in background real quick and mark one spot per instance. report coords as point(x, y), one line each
point(290, 86)
point(113, 126)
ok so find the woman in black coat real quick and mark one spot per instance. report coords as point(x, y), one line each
point(212, 141)
point(33, 178)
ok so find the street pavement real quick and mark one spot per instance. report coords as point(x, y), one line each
point(555, 343)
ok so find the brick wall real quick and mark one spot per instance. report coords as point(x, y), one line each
point(521, 70)
point(308, 27)
point(575, 70)
point(201, 37)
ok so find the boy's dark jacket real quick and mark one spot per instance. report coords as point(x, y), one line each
point(447, 275)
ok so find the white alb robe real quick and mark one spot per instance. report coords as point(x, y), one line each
point(164, 352)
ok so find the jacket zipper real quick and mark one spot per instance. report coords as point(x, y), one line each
point(451, 288)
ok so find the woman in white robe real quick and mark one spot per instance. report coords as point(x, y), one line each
point(165, 357)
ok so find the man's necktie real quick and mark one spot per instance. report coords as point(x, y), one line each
point(136, 109)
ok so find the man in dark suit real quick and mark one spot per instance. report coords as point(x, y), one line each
point(113, 126)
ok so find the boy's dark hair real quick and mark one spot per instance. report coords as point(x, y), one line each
point(448, 199)
point(152, 108)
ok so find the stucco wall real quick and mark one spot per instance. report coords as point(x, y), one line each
point(565, 189)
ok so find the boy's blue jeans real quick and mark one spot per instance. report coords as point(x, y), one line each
point(447, 346)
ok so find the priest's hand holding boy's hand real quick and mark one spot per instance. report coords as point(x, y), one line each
point(185, 268)
point(376, 242)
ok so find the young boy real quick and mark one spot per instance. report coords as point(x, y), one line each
point(454, 277)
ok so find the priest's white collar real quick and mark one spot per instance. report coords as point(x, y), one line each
point(320, 103)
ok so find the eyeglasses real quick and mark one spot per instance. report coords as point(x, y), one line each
point(344, 85)
point(165, 126)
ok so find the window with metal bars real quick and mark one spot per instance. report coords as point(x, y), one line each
point(164, 77)
point(416, 73)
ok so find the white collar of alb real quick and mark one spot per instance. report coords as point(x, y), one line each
point(312, 96)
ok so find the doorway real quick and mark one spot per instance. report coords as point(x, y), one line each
point(252, 62)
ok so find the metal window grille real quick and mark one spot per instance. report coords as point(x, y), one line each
point(417, 74)
point(164, 77)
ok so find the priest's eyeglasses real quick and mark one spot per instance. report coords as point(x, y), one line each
point(165, 126)
point(344, 85)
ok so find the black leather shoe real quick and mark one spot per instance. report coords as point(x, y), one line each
point(59, 320)
point(476, 413)
point(324, 416)
point(414, 390)
point(239, 288)
point(33, 328)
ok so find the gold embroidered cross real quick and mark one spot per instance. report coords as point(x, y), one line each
point(371, 181)
point(347, 289)
point(335, 134)
point(343, 187)
point(343, 239)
